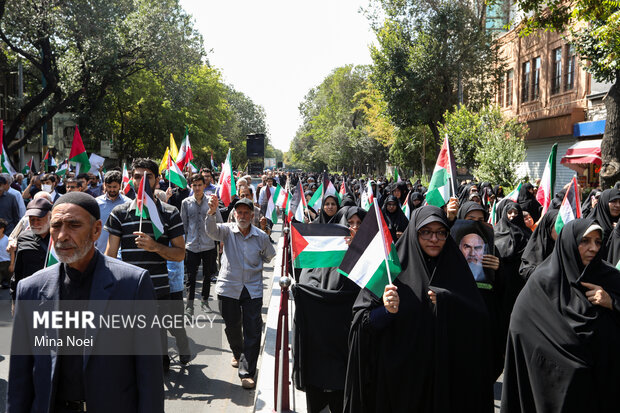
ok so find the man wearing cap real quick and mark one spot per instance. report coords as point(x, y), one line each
point(240, 283)
point(32, 243)
point(56, 379)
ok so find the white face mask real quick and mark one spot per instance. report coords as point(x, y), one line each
point(47, 188)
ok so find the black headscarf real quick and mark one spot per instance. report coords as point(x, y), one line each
point(469, 206)
point(396, 221)
point(602, 215)
point(511, 236)
point(323, 218)
point(390, 370)
point(560, 346)
point(404, 191)
point(498, 190)
point(466, 192)
point(354, 210)
point(528, 201)
point(586, 206)
point(415, 196)
point(539, 246)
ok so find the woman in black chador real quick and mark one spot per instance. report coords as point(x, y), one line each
point(562, 350)
point(425, 346)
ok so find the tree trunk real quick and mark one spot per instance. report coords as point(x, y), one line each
point(610, 146)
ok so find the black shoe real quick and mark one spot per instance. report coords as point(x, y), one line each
point(214, 279)
point(185, 359)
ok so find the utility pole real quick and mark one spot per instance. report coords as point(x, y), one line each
point(20, 104)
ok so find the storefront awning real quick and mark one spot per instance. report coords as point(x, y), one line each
point(581, 154)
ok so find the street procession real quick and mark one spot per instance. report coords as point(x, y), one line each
point(364, 207)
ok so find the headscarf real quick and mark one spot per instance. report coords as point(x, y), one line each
point(415, 196)
point(498, 191)
point(539, 246)
point(511, 236)
point(465, 193)
point(528, 201)
point(560, 346)
point(586, 206)
point(404, 191)
point(323, 218)
point(396, 221)
point(602, 215)
point(469, 206)
point(456, 332)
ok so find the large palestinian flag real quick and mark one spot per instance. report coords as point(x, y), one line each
point(318, 245)
point(441, 187)
point(372, 261)
point(147, 209)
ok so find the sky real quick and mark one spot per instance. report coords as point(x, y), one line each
point(275, 51)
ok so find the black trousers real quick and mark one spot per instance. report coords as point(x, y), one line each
point(209, 267)
point(244, 323)
point(173, 305)
point(317, 399)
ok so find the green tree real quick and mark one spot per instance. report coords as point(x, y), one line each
point(83, 49)
point(431, 55)
point(413, 151)
point(490, 145)
point(593, 27)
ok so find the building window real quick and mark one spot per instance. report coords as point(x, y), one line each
point(509, 80)
point(536, 79)
point(556, 79)
point(500, 91)
point(570, 67)
point(525, 81)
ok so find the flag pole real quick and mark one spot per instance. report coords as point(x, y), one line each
point(387, 265)
point(452, 177)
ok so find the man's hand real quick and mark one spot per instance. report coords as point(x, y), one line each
point(145, 242)
point(168, 193)
point(452, 208)
point(213, 203)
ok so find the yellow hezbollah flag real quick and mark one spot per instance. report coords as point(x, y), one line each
point(174, 151)
point(164, 161)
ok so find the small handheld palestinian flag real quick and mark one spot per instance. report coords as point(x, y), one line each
point(63, 168)
point(126, 184)
point(48, 161)
point(396, 176)
point(271, 212)
point(547, 182)
point(78, 153)
point(299, 207)
point(318, 245)
point(372, 261)
point(317, 198)
point(368, 198)
point(441, 188)
point(343, 190)
point(570, 208)
point(28, 167)
point(174, 174)
point(493, 215)
point(406, 208)
point(52, 258)
point(5, 163)
point(514, 195)
point(213, 163)
point(147, 209)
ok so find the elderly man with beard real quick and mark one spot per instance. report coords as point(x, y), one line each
point(472, 247)
point(32, 243)
point(240, 283)
point(64, 378)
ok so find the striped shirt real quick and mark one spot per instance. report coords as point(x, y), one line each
point(123, 222)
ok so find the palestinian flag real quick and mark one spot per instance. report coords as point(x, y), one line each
point(318, 245)
point(406, 208)
point(570, 208)
point(317, 198)
point(63, 168)
point(372, 261)
point(514, 195)
point(329, 188)
point(228, 188)
point(147, 209)
point(547, 182)
point(298, 205)
point(271, 212)
point(48, 161)
point(287, 210)
point(396, 176)
point(126, 184)
point(78, 153)
point(368, 197)
point(185, 155)
point(213, 163)
point(280, 197)
point(493, 215)
point(28, 167)
point(441, 187)
point(5, 163)
point(193, 166)
point(52, 258)
point(343, 190)
point(174, 174)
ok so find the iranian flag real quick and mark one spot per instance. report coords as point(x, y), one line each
point(514, 195)
point(318, 245)
point(174, 174)
point(147, 209)
point(406, 208)
point(78, 153)
point(227, 181)
point(493, 215)
point(52, 258)
point(5, 166)
point(48, 161)
point(372, 261)
point(281, 197)
point(441, 187)
point(547, 182)
point(368, 198)
point(570, 208)
point(185, 155)
point(63, 168)
point(28, 167)
point(126, 182)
